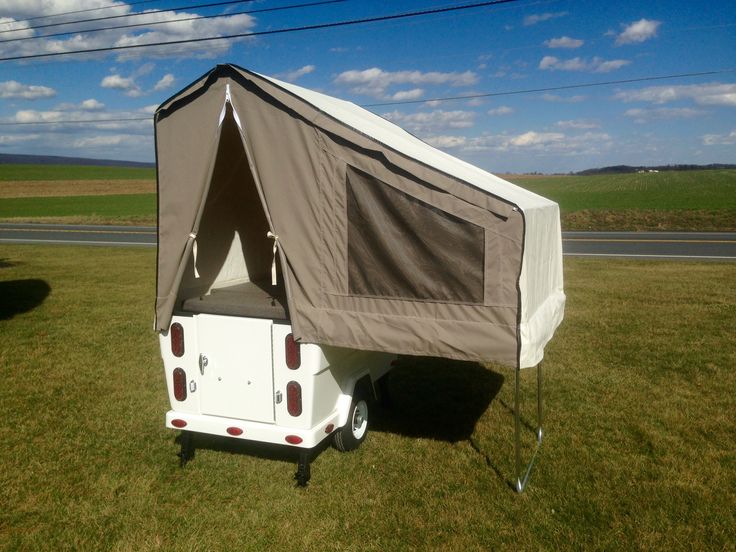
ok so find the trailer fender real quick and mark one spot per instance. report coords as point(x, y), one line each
point(359, 381)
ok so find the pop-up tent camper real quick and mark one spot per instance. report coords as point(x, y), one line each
point(382, 242)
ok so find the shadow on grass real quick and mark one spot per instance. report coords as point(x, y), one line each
point(437, 398)
point(19, 296)
point(430, 398)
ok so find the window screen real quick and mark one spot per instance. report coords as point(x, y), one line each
point(402, 247)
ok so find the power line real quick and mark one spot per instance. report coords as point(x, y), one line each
point(196, 17)
point(444, 99)
point(269, 32)
point(109, 6)
point(551, 88)
point(136, 14)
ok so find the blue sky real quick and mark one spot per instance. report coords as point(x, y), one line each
point(517, 46)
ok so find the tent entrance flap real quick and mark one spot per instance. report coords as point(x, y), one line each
point(233, 246)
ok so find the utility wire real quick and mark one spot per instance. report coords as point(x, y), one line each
point(196, 17)
point(135, 14)
point(445, 99)
point(109, 6)
point(270, 32)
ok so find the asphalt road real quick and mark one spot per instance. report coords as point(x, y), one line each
point(642, 245)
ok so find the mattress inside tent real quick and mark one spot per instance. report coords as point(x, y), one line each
point(249, 299)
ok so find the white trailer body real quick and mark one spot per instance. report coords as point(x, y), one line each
point(246, 378)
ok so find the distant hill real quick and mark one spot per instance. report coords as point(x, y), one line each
point(17, 159)
point(622, 169)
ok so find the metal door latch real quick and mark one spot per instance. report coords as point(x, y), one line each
point(202, 363)
point(279, 397)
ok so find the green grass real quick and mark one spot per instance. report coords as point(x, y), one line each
point(669, 200)
point(73, 172)
point(670, 190)
point(110, 207)
point(639, 428)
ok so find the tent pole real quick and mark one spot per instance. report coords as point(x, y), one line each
point(522, 480)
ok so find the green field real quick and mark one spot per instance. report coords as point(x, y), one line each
point(685, 200)
point(73, 172)
point(670, 190)
point(129, 207)
point(639, 428)
point(669, 200)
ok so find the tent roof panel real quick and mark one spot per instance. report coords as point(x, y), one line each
point(396, 138)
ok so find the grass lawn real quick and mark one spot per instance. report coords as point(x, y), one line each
point(639, 428)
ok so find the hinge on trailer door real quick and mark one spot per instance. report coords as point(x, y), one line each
point(202, 363)
point(279, 397)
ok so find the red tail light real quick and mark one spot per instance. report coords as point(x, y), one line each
point(179, 423)
point(294, 398)
point(293, 439)
point(293, 354)
point(235, 431)
point(177, 339)
point(180, 384)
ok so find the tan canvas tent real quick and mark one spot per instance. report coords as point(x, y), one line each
point(382, 242)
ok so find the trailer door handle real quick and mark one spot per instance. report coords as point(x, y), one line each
point(202, 363)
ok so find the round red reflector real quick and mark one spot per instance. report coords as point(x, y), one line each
point(178, 423)
point(329, 428)
point(293, 439)
point(235, 431)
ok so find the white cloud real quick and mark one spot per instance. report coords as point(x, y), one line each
point(105, 140)
point(596, 65)
point(580, 124)
point(8, 140)
point(126, 84)
point(532, 138)
point(642, 116)
point(167, 81)
point(97, 118)
point(563, 42)
point(298, 73)
point(563, 99)
point(639, 31)
point(538, 18)
point(91, 105)
point(702, 94)
point(14, 11)
point(446, 142)
point(403, 95)
point(720, 139)
point(431, 122)
point(149, 109)
point(543, 143)
point(375, 81)
point(14, 89)
point(501, 110)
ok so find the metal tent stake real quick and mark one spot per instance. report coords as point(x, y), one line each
point(521, 481)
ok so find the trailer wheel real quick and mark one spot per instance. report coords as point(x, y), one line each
point(353, 433)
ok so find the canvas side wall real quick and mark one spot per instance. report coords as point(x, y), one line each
point(308, 182)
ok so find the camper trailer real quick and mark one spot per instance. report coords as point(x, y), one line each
point(303, 242)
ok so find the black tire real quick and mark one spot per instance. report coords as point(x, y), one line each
point(353, 433)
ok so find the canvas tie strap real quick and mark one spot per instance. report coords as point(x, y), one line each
point(275, 239)
point(193, 236)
